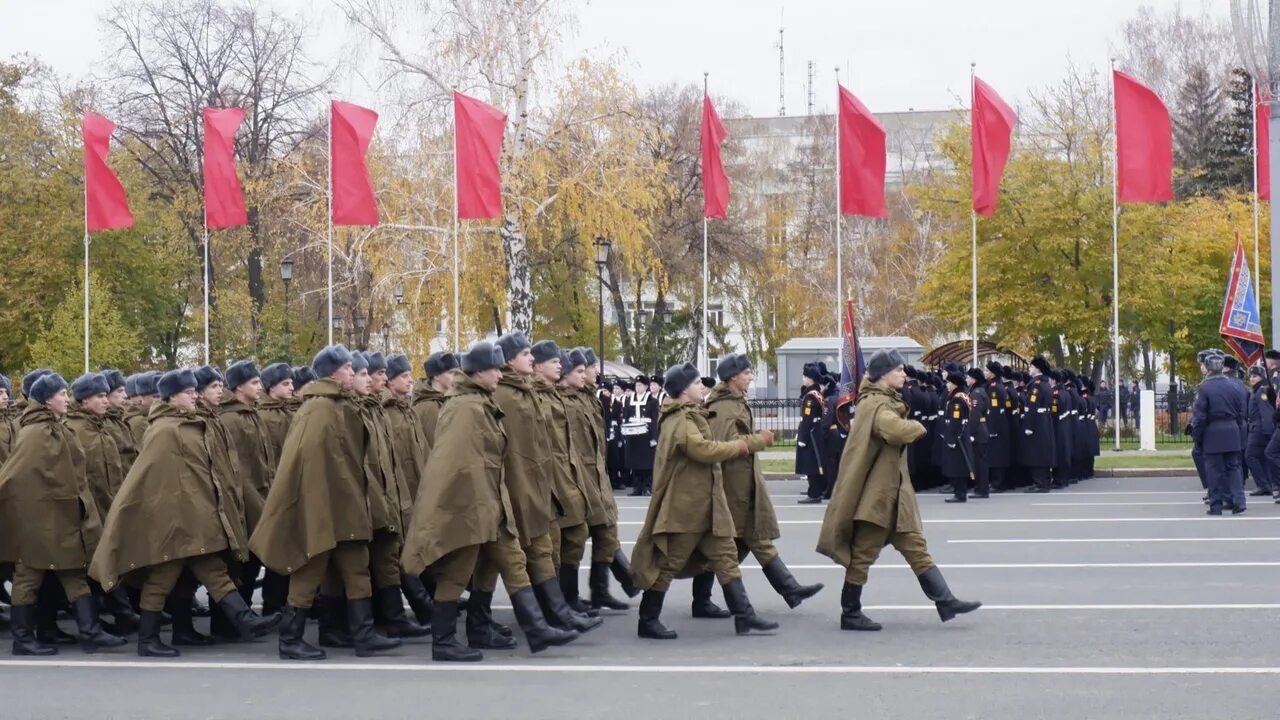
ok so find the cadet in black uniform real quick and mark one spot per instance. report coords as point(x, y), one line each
point(640, 436)
point(808, 458)
point(1036, 451)
point(998, 417)
point(979, 432)
point(956, 449)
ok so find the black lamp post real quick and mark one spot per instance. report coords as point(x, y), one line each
point(603, 247)
point(399, 293)
point(286, 276)
point(338, 327)
point(359, 322)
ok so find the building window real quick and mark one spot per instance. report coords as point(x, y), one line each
point(715, 314)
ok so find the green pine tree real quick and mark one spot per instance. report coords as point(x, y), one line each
point(1237, 133)
point(1197, 140)
point(112, 343)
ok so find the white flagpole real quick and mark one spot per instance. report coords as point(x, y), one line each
point(839, 245)
point(329, 219)
point(457, 302)
point(973, 259)
point(86, 272)
point(1115, 254)
point(704, 362)
point(1253, 119)
point(206, 285)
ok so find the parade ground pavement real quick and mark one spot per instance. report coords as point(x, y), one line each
point(1118, 598)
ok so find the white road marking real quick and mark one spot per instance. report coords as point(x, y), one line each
point(534, 667)
point(1109, 504)
point(1029, 566)
point(1015, 541)
point(969, 521)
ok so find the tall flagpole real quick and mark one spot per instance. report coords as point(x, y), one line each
point(973, 259)
point(704, 362)
point(457, 303)
point(1257, 271)
point(329, 218)
point(86, 271)
point(206, 285)
point(1115, 255)
point(839, 245)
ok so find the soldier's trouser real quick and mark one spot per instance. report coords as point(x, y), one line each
point(210, 570)
point(869, 539)
point(1197, 458)
point(538, 560)
point(604, 543)
point(1040, 477)
point(568, 544)
point(384, 559)
point(1272, 454)
point(1255, 456)
point(720, 551)
point(350, 559)
point(763, 550)
point(1226, 484)
point(26, 583)
point(503, 556)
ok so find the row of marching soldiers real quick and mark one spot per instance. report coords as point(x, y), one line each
point(995, 428)
point(347, 489)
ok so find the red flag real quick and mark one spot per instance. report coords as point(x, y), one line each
point(1144, 143)
point(223, 196)
point(1262, 140)
point(990, 136)
point(105, 204)
point(350, 132)
point(478, 129)
point(862, 159)
point(715, 183)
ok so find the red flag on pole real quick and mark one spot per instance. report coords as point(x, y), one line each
point(223, 195)
point(106, 206)
point(1262, 141)
point(990, 137)
point(478, 129)
point(351, 131)
point(862, 159)
point(1144, 143)
point(715, 182)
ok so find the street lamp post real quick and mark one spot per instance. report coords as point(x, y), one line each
point(338, 327)
point(286, 276)
point(603, 247)
point(359, 330)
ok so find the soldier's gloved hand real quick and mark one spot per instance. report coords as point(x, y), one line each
point(653, 443)
point(1027, 432)
point(767, 436)
point(800, 444)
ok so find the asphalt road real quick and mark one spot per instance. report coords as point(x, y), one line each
point(1117, 599)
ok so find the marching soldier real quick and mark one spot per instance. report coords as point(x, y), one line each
point(49, 519)
point(689, 524)
point(808, 460)
point(429, 397)
point(317, 513)
point(144, 388)
point(754, 520)
point(176, 511)
point(120, 431)
point(465, 512)
point(1037, 445)
point(411, 455)
point(1217, 421)
point(874, 504)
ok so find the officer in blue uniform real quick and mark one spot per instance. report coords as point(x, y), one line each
point(1217, 427)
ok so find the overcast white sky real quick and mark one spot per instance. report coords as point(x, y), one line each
point(893, 54)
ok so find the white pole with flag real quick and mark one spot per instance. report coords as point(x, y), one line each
point(1253, 118)
point(839, 244)
point(704, 359)
point(329, 220)
point(1115, 256)
point(973, 268)
point(86, 272)
point(206, 285)
point(457, 302)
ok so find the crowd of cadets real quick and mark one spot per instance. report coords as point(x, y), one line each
point(989, 429)
point(344, 491)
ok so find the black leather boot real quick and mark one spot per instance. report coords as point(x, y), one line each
point(248, 624)
point(569, 587)
point(293, 625)
point(650, 625)
point(785, 584)
point(334, 632)
point(366, 640)
point(22, 625)
point(419, 599)
point(621, 567)
point(537, 632)
point(935, 588)
point(149, 643)
point(92, 636)
point(184, 631)
point(444, 637)
point(47, 630)
point(745, 619)
point(116, 602)
point(275, 593)
point(851, 617)
point(398, 624)
point(482, 633)
point(557, 611)
point(702, 605)
point(598, 581)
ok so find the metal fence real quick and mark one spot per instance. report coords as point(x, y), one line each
point(781, 415)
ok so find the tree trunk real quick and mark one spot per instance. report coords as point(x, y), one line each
point(257, 286)
point(515, 248)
